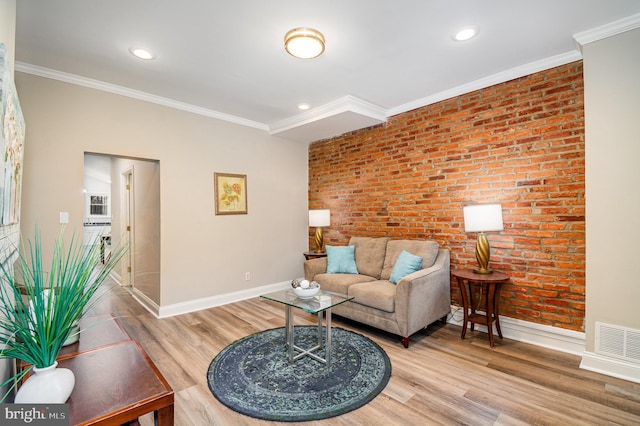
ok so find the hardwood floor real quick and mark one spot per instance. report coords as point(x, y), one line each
point(440, 379)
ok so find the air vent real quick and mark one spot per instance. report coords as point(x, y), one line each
point(619, 342)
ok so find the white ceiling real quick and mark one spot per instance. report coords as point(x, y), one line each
point(225, 59)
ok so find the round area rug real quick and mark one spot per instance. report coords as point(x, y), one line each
point(253, 376)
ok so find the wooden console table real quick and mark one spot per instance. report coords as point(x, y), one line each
point(489, 282)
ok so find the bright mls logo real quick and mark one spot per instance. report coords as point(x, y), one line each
point(34, 414)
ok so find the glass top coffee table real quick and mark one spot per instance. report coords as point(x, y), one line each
point(323, 301)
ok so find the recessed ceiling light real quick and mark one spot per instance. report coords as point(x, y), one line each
point(304, 106)
point(466, 34)
point(141, 53)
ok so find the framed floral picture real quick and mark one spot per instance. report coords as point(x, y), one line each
point(230, 192)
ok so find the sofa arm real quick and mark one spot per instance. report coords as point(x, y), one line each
point(424, 296)
point(313, 267)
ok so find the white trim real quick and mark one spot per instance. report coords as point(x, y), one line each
point(546, 336)
point(345, 104)
point(135, 94)
point(501, 77)
point(617, 27)
point(115, 276)
point(558, 339)
point(145, 301)
point(140, 297)
point(610, 366)
point(219, 300)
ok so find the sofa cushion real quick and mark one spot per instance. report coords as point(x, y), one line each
point(406, 264)
point(378, 294)
point(427, 250)
point(341, 260)
point(339, 283)
point(370, 254)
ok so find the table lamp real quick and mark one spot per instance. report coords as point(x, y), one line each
point(482, 218)
point(319, 218)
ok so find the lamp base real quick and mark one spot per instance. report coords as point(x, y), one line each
point(483, 271)
point(319, 239)
point(483, 252)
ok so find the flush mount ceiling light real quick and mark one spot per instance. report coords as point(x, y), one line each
point(141, 53)
point(304, 106)
point(304, 43)
point(465, 34)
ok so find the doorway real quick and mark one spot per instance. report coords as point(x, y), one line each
point(134, 194)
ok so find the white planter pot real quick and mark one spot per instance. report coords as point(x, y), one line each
point(49, 385)
point(74, 336)
point(75, 328)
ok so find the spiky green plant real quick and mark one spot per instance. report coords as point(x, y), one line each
point(38, 313)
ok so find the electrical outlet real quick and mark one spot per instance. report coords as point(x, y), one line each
point(247, 276)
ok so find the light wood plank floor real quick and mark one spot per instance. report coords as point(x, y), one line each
point(440, 379)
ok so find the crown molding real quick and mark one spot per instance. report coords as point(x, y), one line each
point(314, 124)
point(345, 104)
point(501, 77)
point(620, 26)
point(135, 94)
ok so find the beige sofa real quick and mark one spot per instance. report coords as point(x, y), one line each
point(416, 301)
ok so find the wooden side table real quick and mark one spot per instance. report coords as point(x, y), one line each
point(313, 255)
point(117, 384)
point(489, 284)
point(115, 380)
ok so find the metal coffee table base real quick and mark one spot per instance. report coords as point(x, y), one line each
point(292, 347)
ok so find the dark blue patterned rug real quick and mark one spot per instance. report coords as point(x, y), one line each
point(253, 376)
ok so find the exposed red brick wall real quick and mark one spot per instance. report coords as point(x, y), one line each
point(520, 143)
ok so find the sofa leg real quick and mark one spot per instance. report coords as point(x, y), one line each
point(405, 342)
point(444, 320)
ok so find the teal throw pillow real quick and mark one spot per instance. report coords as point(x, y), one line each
point(341, 260)
point(406, 264)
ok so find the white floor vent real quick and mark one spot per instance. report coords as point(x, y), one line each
point(619, 342)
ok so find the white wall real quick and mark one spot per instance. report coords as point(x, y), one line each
point(202, 255)
point(612, 111)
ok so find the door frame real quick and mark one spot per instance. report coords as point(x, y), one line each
point(127, 224)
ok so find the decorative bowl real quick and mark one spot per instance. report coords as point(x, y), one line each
point(307, 293)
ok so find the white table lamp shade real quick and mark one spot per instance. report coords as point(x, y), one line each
point(320, 217)
point(482, 218)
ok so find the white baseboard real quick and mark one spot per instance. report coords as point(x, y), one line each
point(610, 366)
point(116, 277)
point(145, 301)
point(555, 338)
point(223, 299)
point(559, 339)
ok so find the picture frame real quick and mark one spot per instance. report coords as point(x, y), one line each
point(12, 138)
point(230, 193)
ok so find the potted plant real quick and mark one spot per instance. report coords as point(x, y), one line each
point(38, 312)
